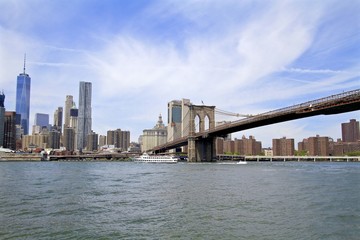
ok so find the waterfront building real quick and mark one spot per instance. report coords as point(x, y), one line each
point(243, 146)
point(10, 130)
point(2, 118)
point(23, 100)
point(92, 142)
point(35, 141)
point(350, 131)
point(283, 147)
point(120, 139)
point(155, 136)
point(54, 139)
point(316, 146)
point(319, 146)
point(69, 103)
point(58, 116)
point(343, 148)
point(303, 146)
point(69, 139)
point(268, 152)
point(229, 146)
point(110, 137)
point(247, 146)
point(102, 140)
point(84, 115)
point(219, 145)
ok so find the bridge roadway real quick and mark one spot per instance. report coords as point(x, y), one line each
point(334, 104)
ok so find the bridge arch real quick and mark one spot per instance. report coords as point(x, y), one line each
point(197, 123)
point(206, 116)
point(206, 123)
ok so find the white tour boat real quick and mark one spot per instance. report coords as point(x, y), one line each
point(146, 158)
point(241, 162)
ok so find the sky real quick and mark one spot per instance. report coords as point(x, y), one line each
point(244, 57)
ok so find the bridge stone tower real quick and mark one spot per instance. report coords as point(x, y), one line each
point(201, 148)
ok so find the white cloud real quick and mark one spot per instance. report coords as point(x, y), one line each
point(231, 55)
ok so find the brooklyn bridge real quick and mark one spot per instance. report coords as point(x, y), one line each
point(201, 140)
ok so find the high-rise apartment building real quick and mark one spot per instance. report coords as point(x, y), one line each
point(69, 139)
point(318, 146)
point(283, 147)
point(243, 146)
point(92, 142)
point(23, 100)
point(350, 131)
point(102, 140)
point(304, 145)
point(84, 114)
point(54, 139)
point(229, 146)
point(219, 145)
point(247, 146)
point(120, 139)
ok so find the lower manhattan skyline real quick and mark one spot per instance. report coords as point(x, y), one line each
point(247, 58)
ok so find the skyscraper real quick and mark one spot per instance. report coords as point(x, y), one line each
point(42, 120)
point(69, 102)
point(58, 115)
point(23, 99)
point(10, 130)
point(84, 114)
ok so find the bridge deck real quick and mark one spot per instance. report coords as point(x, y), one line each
point(335, 104)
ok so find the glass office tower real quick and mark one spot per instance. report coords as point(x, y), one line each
point(84, 115)
point(23, 100)
point(42, 120)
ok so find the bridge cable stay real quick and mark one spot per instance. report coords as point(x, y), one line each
point(227, 113)
point(187, 126)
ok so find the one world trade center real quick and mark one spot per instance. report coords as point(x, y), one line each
point(23, 100)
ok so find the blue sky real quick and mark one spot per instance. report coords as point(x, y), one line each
point(241, 56)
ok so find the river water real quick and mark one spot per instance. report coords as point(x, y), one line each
point(122, 200)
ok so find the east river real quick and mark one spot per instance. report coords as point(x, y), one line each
point(123, 200)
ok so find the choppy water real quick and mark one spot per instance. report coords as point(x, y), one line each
point(118, 200)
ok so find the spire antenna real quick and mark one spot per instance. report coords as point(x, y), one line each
point(24, 62)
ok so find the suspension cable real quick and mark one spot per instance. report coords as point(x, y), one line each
point(227, 113)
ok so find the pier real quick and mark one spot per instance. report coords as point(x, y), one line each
point(83, 157)
point(223, 157)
